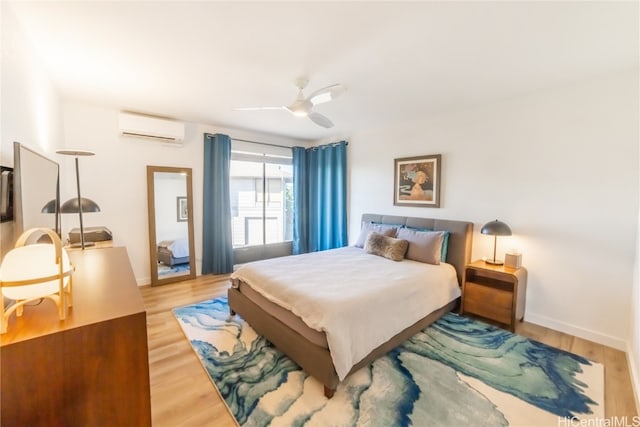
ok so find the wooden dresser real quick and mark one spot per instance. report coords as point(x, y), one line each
point(91, 369)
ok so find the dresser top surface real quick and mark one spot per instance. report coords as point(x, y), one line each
point(104, 288)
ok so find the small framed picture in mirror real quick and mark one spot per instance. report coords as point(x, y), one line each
point(182, 209)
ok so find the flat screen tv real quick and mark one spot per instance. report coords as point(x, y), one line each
point(6, 194)
point(36, 191)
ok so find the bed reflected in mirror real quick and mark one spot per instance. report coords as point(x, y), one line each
point(170, 204)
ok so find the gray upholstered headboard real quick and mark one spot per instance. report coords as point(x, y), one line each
point(460, 235)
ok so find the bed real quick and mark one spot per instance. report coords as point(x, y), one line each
point(173, 252)
point(273, 316)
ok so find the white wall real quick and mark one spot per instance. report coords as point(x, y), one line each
point(633, 350)
point(31, 111)
point(560, 167)
point(115, 177)
point(30, 106)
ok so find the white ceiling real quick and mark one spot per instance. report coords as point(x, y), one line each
point(196, 61)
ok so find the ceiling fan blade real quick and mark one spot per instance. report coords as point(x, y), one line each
point(258, 108)
point(320, 120)
point(326, 94)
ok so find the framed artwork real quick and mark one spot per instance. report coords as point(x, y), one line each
point(182, 209)
point(417, 181)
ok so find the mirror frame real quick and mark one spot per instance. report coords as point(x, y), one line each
point(153, 244)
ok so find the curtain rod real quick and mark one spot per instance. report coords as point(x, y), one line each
point(281, 146)
point(330, 143)
point(276, 145)
point(261, 143)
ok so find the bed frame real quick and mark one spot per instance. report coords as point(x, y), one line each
point(166, 257)
point(316, 360)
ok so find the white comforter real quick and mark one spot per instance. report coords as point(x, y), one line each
point(359, 300)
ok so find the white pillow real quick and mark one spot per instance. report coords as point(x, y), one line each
point(368, 227)
point(424, 246)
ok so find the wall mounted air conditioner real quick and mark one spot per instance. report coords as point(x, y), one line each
point(139, 126)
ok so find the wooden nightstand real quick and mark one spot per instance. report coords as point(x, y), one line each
point(494, 292)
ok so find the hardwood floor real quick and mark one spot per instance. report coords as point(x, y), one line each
point(619, 400)
point(181, 392)
point(183, 395)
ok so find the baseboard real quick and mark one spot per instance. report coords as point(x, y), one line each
point(635, 376)
point(142, 281)
point(609, 341)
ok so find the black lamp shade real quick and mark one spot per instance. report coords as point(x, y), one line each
point(495, 228)
point(71, 206)
point(50, 207)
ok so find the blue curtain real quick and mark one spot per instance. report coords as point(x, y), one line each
point(217, 246)
point(320, 198)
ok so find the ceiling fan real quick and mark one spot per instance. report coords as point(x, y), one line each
point(303, 106)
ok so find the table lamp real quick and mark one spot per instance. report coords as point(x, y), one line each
point(79, 204)
point(31, 273)
point(495, 228)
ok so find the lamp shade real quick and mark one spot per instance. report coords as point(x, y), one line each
point(30, 273)
point(496, 228)
point(29, 264)
point(71, 206)
point(50, 207)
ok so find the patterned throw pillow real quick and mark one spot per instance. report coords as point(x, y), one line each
point(388, 247)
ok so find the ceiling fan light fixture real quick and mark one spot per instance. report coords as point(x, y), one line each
point(300, 108)
point(298, 112)
point(303, 106)
point(322, 98)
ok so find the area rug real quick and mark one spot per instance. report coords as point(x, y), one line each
point(457, 372)
point(164, 270)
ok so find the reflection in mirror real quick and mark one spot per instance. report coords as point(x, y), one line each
point(170, 203)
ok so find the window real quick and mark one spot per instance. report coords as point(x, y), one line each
point(261, 189)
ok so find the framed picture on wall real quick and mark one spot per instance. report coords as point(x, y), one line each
point(182, 209)
point(417, 181)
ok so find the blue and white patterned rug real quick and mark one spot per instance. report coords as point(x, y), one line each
point(457, 372)
point(164, 270)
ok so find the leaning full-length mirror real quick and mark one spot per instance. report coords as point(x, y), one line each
point(171, 245)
